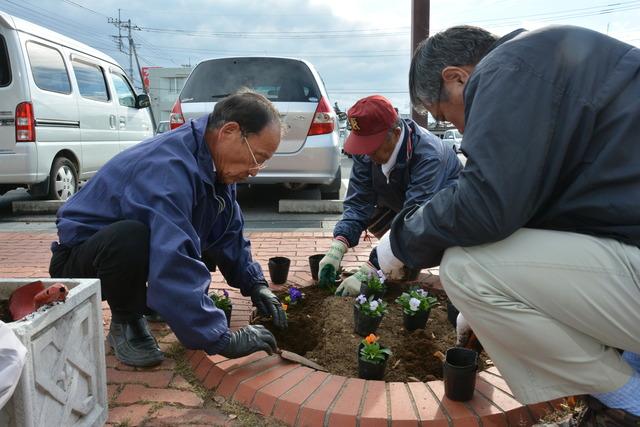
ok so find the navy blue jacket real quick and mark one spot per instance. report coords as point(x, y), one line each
point(423, 167)
point(168, 183)
point(552, 140)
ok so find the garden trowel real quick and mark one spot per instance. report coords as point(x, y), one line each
point(294, 357)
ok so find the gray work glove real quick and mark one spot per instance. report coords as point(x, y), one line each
point(330, 263)
point(249, 340)
point(351, 285)
point(268, 305)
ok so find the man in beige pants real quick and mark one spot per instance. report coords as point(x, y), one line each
point(541, 234)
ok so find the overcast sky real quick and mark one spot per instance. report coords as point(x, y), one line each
point(360, 47)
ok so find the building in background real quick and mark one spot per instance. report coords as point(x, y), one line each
point(163, 86)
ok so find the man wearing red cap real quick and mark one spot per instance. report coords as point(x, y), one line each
point(396, 164)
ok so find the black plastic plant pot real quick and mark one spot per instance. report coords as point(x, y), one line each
point(363, 324)
point(279, 269)
point(314, 265)
point(369, 370)
point(452, 313)
point(227, 313)
point(417, 321)
point(459, 372)
point(364, 289)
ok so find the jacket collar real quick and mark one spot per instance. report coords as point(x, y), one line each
point(203, 155)
point(506, 38)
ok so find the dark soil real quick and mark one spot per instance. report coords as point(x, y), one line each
point(321, 329)
point(5, 314)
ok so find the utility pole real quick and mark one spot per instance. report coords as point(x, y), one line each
point(419, 31)
point(120, 24)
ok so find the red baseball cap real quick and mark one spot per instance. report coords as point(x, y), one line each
point(370, 119)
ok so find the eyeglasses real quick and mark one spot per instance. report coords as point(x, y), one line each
point(258, 166)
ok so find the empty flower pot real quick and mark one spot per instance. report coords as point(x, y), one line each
point(369, 370)
point(417, 321)
point(363, 324)
point(279, 269)
point(459, 372)
point(314, 265)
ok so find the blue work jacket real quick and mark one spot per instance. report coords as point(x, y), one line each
point(168, 182)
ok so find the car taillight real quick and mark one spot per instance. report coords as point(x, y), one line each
point(323, 119)
point(25, 123)
point(176, 118)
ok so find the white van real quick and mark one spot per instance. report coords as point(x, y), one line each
point(65, 110)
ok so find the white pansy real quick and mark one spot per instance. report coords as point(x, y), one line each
point(373, 305)
point(414, 304)
point(361, 299)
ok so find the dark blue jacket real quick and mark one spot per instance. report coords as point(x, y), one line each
point(168, 183)
point(552, 139)
point(423, 167)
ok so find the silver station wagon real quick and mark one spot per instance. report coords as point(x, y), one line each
point(309, 152)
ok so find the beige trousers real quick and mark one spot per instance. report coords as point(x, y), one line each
point(550, 309)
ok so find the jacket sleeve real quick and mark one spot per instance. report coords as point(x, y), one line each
point(178, 280)
point(430, 171)
point(508, 175)
point(233, 254)
point(359, 202)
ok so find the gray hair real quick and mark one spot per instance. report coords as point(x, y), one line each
point(456, 46)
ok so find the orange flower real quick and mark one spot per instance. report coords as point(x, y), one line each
point(285, 306)
point(371, 338)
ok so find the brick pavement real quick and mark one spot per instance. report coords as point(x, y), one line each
point(293, 394)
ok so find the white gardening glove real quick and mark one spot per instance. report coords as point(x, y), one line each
point(463, 331)
point(351, 285)
point(386, 259)
point(332, 258)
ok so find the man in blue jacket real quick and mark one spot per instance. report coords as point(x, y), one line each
point(541, 234)
point(396, 164)
point(152, 212)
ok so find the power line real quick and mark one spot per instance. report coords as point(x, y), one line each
point(85, 8)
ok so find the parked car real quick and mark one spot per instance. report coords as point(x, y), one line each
point(309, 153)
point(163, 126)
point(453, 138)
point(65, 110)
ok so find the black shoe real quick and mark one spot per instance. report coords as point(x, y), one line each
point(133, 344)
point(596, 414)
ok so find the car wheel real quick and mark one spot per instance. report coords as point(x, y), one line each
point(332, 191)
point(63, 180)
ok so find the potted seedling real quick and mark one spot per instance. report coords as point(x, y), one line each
point(223, 302)
point(367, 314)
point(416, 306)
point(374, 285)
point(372, 358)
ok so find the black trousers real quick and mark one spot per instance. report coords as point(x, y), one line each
point(118, 255)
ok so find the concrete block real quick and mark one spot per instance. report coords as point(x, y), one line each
point(63, 382)
point(36, 206)
point(310, 206)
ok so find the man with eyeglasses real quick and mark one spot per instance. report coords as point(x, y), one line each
point(539, 241)
point(396, 164)
point(155, 217)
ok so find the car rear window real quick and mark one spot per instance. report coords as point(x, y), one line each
point(280, 80)
point(5, 69)
point(48, 68)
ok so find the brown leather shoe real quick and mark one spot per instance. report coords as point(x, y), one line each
point(595, 414)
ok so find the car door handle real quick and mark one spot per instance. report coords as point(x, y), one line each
point(123, 122)
point(112, 121)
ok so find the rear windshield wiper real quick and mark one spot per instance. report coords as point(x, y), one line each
point(222, 95)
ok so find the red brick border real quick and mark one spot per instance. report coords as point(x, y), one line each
point(300, 396)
